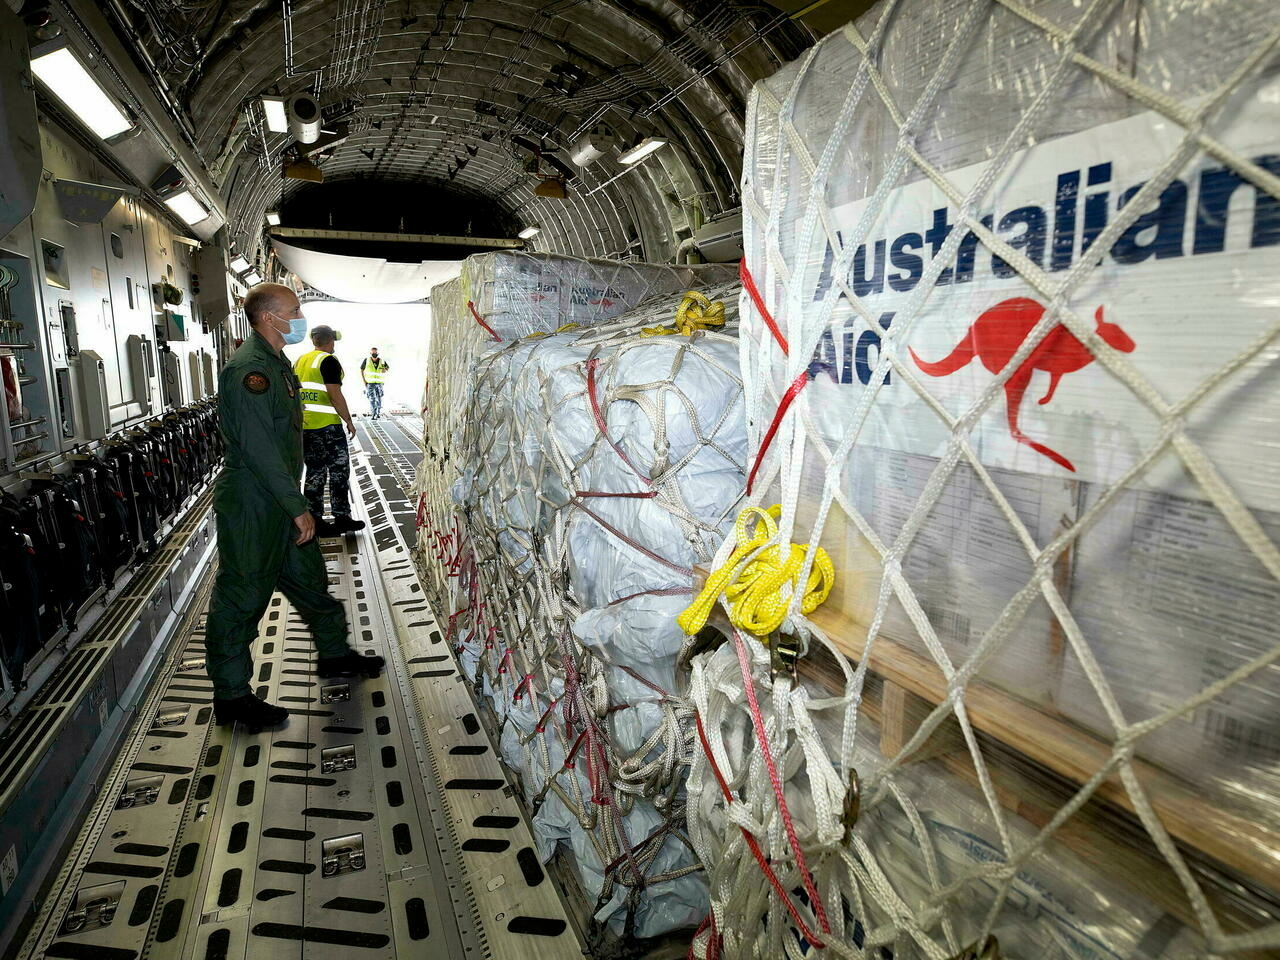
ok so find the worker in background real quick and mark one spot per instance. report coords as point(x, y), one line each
point(324, 445)
point(373, 369)
point(266, 533)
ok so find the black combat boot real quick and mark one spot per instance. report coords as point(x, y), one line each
point(345, 524)
point(350, 664)
point(250, 711)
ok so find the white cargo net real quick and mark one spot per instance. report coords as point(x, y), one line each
point(595, 468)
point(770, 787)
point(500, 297)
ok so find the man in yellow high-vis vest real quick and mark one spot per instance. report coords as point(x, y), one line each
point(324, 445)
point(373, 369)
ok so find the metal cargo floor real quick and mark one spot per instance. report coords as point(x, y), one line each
point(376, 823)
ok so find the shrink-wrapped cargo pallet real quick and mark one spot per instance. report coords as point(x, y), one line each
point(596, 468)
point(1009, 356)
point(453, 347)
point(500, 297)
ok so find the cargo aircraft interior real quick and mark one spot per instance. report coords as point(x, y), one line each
point(706, 479)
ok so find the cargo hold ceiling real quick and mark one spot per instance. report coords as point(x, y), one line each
point(470, 103)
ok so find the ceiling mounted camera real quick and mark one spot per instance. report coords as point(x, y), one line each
point(592, 145)
point(304, 117)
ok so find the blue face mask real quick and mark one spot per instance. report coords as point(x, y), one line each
point(297, 329)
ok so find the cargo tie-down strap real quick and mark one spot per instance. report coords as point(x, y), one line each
point(758, 583)
point(749, 285)
point(480, 320)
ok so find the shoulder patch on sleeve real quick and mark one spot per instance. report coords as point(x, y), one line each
point(256, 382)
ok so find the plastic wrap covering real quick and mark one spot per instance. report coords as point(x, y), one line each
point(1009, 357)
point(595, 470)
point(454, 344)
point(516, 294)
point(498, 297)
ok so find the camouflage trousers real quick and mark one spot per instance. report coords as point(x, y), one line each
point(325, 453)
point(374, 392)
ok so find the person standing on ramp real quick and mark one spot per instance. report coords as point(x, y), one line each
point(373, 370)
point(266, 532)
point(324, 444)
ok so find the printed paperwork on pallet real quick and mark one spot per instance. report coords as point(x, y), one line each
point(596, 469)
point(1009, 353)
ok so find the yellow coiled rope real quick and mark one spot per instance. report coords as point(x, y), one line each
point(544, 333)
point(696, 312)
point(760, 592)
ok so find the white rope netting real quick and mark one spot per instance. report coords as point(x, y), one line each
point(600, 467)
point(500, 297)
point(570, 483)
point(1050, 658)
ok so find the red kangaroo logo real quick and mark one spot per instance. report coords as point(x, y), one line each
point(995, 337)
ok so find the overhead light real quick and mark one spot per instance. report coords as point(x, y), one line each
point(528, 233)
point(239, 264)
point(273, 218)
point(642, 149)
point(277, 119)
point(61, 71)
point(253, 279)
point(186, 206)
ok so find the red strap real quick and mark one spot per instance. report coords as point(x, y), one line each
point(573, 752)
point(456, 562)
point(755, 847)
point(750, 286)
point(706, 922)
point(480, 320)
point(600, 423)
point(757, 721)
point(630, 542)
point(645, 495)
point(636, 676)
point(713, 941)
point(526, 682)
point(541, 725)
point(792, 392)
point(797, 385)
point(664, 592)
point(658, 834)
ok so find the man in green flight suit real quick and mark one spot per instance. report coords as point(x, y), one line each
point(266, 533)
